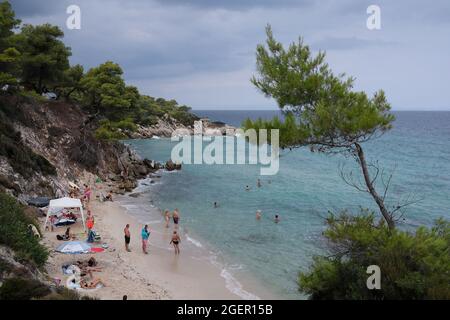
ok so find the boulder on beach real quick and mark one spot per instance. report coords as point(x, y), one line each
point(171, 166)
point(127, 185)
point(141, 170)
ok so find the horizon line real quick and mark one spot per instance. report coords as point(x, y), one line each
point(248, 108)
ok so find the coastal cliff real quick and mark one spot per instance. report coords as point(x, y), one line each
point(46, 144)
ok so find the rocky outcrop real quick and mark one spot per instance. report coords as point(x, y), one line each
point(163, 128)
point(171, 166)
point(168, 127)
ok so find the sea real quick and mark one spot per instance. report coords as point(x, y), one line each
point(307, 187)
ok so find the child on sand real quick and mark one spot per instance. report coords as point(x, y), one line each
point(109, 197)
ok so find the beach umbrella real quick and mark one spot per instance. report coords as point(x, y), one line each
point(74, 247)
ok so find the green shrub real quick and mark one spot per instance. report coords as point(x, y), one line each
point(104, 133)
point(126, 124)
point(149, 120)
point(14, 232)
point(110, 130)
point(413, 265)
point(22, 289)
point(183, 116)
point(31, 96)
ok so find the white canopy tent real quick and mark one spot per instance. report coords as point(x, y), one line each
point(62, 203)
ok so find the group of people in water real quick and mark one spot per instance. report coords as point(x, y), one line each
point(259, 216)
point(276, 218)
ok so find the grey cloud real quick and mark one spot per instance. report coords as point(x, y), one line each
point(203, 52)
point(237, 4)
point(349, 43)
point(30, 8)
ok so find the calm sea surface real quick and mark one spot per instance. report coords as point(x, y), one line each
point(307, 186)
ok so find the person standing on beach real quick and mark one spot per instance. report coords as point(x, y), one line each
point(126, 231)
point(176, 241)
point(145, 234)
point(90, 220)
point(87, 193)
point(176, 217)
point(167, 217)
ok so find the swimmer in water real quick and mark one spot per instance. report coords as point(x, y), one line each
point(247, 188)
point(258, 214)
point(277, 218)
point(258, 183)
point(216, 205)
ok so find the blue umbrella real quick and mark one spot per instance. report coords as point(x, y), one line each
point(74, 247)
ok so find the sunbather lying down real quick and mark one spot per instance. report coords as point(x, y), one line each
point(87, 263)
point(91, 284)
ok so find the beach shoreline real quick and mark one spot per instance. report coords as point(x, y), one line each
point(160, 274)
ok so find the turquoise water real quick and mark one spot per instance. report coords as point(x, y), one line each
point(307, 186)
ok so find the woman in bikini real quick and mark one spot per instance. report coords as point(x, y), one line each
point(175, 241)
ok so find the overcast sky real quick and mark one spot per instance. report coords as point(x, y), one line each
point(202, 52)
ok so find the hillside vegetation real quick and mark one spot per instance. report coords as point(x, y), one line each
point(35, 60)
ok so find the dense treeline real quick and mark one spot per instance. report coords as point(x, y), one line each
point(35, 60)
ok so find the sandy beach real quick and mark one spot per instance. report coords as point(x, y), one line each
point(158, 275)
